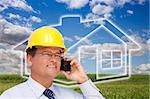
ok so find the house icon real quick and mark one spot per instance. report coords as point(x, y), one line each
point(102, 48)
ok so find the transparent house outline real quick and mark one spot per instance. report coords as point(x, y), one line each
point(127, 69)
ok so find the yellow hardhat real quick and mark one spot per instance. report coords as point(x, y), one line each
point(46, 36)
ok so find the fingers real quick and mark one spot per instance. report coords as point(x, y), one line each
point(76, 65)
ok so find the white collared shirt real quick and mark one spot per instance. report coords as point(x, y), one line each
point(33, 90)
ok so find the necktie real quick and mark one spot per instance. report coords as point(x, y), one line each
point(49, 93)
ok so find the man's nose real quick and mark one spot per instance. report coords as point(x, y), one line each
point(53, 58)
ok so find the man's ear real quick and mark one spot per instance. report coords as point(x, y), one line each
point(29, 60)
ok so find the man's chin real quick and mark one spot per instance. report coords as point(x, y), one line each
point(53, 74)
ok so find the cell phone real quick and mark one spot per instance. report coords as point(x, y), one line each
point(65, 65)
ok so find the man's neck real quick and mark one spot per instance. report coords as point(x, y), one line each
point(46, 82)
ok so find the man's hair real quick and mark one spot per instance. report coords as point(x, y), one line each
point(31, 51)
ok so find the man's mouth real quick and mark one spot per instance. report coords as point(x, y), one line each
point(51, 65)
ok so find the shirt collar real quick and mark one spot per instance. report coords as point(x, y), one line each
point(36, 87)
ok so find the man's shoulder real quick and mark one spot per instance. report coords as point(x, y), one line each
point(14, 90)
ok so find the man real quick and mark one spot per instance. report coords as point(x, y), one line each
point(45, 50)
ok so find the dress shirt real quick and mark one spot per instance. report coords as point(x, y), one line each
point(31, 89)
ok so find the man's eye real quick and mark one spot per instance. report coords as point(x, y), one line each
point(58, 55)
point(47, 54)
point(50, 55)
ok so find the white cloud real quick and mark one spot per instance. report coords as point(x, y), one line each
point(141, 41)
point(121, 3)
point(68, 39)
point(102, 9)
point(129, 11)
point(148, 42)
point(21, 4)
point(74, 4)
point(92, 16)
point(105, 8)
point(35, 19)
point(22, 21)
point(142, 69)
point(89, 49)
point(14, 16)
point(10, 61)
point(105, 46)
point(16, 29)
point(11, 33)
point(5, 46)
point(16, 19)
point(9, 28)
point(107, 15)
point(107, 2)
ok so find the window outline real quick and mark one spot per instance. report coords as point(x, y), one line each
point(111, 59)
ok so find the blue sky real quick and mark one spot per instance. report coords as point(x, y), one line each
point(18, 19)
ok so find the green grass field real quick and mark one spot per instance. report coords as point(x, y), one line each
point(137, 87)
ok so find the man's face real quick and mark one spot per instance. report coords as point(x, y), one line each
point(46, 62)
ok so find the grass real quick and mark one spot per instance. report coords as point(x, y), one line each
point(135, 88)
point(9, 80)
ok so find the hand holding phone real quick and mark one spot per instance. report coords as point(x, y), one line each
point(77, 72)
